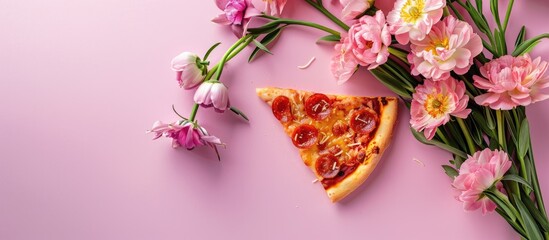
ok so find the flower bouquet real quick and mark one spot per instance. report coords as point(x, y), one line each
point(465, 84)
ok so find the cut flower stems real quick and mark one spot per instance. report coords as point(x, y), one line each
point(467, 92)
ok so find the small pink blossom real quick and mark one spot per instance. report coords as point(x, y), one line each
point(237, 14)
point(479, 172)
point(213, 93)
point(435, 102)
point(354, 8)
point(343, 64)
point(369, 40)
point(274, 7)
point(413, 19)
point(184, 134)
point(512, 81)
point(189, 73)
point(450, 46)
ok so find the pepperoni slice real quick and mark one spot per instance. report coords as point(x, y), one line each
point(318, 106)
point(327, 166)
point(305, 136)
point(364, 121)
point(282, 109)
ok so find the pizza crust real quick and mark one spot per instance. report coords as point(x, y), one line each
point(381, 140)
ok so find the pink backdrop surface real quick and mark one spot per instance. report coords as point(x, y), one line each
point(81, 81)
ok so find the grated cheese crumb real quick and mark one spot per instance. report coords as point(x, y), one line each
point(315, 180)
point(334, 167)
point(354, 144)
point(308, 63)
point(339, 153)
point(419, 162)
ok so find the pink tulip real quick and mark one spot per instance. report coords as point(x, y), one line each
point(479, 172)
point(343, 64)
point(435, 102)
point(354, 8)
point(512, 81)
point(450, 46)
point(237, 14)
point(184, 133)
point(369, 39)
point(189, 73)
point(274, 7)
point(213, 93)
point(414, 19)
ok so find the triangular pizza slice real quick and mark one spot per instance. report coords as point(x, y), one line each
point(340, 138)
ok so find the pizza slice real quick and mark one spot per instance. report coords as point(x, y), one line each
point(340, 138)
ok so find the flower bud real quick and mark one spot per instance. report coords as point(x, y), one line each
point(354, 8)
point(189, 72)
point(213, 93)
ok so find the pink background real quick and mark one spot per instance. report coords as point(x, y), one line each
point(81, 81)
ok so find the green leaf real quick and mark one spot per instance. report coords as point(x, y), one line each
point(528, 45)
point(524, 139)
point(329, 38)
point(501, 46)
point(530, 225)
point(511, 222)
point(489, 119)
point(479, 4)
point(521, 36)
point(210, 51)
point(269, 38)
point(239, 113)
point(535, 212)
point(494, 7)
point(420, 137)
point(262, 47)
point(516, 178)
point(450, 171)
point(481, 122)
point(390, 82)
point(501, 204)
point(458, 161)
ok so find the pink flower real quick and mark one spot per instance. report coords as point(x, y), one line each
point(343, 64)
point(450, 46)
point(213, 93)
point(369, 39)
point(478, 173)
point(354, 8)
point(237, 14)
point(184, 133)
point(413, 19)
point(512, 81)
point(274, 7)
point(435, 102)
point(189, 72)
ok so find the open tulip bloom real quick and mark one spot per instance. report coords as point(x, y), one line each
point(425, 51)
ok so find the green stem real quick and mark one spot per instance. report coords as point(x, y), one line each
point(328, 14)
point(505, 199)
point(246, 39)
point(193, 112)
point(308, 24)
point(468, 138)
point(535, 183)
point(442, 137)
point(500, 127)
